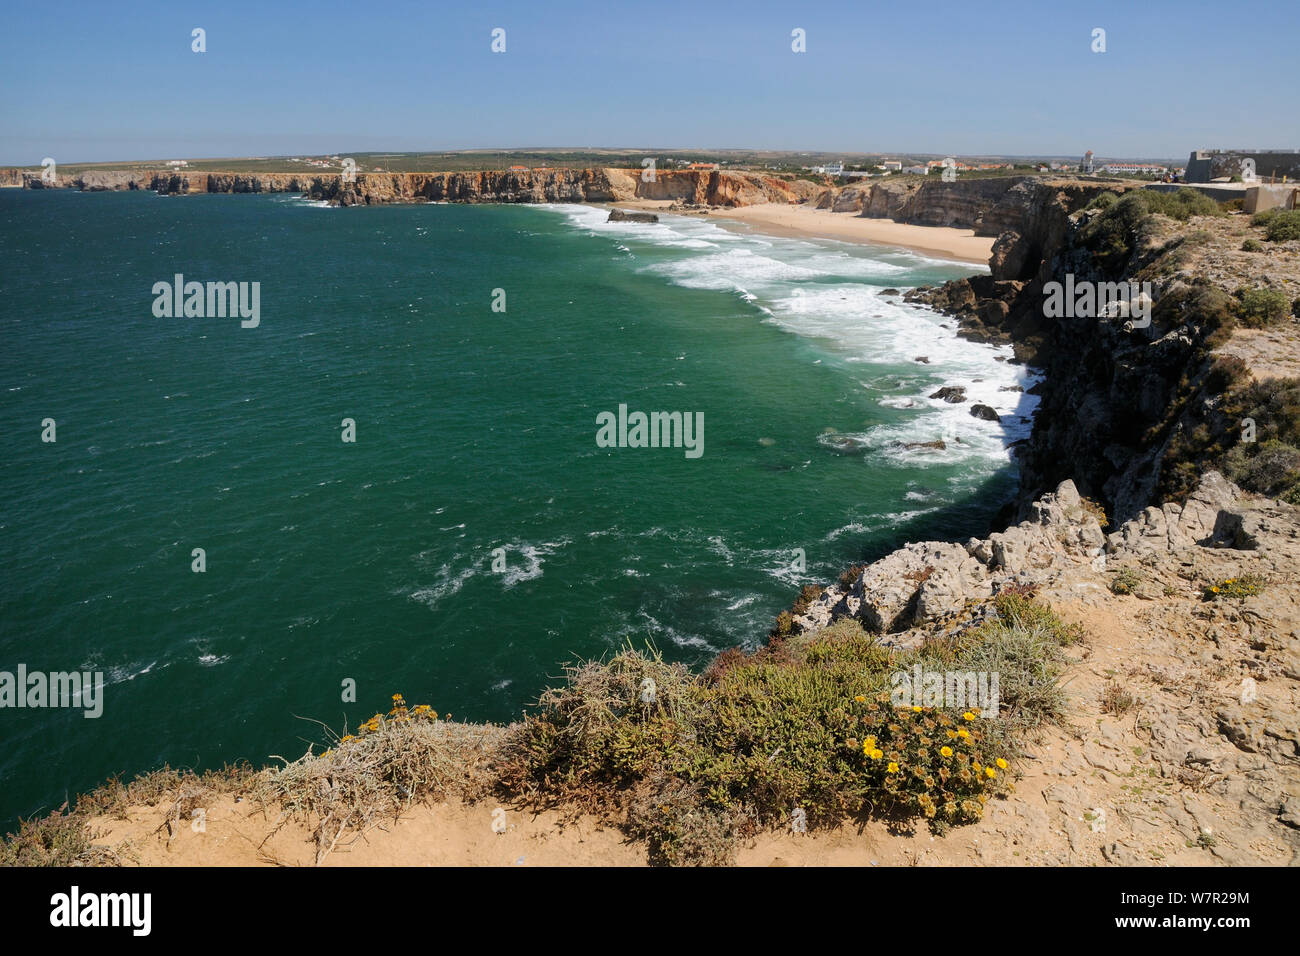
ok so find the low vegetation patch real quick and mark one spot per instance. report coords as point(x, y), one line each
point(393, 761)
point(1125, 221)
point(1247, 585)
point(1116, 700)
point(1262, 307)
point(1280, 225)
point(65, 837)
point(694, 764)
point(1125, 581)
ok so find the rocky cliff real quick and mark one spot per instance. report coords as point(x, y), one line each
point(1119, 396)
point(694, 187)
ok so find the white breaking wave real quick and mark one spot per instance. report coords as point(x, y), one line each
point(830, 292)
point(523, 562)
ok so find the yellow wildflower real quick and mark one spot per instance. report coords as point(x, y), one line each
point(1002, 764)
point(946, 751)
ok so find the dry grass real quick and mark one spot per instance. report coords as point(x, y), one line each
point(379, 775)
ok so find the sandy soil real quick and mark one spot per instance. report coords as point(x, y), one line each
point(803, 221)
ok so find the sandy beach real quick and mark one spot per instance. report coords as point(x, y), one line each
point(804, 221)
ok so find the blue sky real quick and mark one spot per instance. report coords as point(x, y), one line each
point(90, 81)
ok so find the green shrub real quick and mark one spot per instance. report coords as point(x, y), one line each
point(1112, 236)
point(1182, 204)
point(1245, 586)
point(1270, 465)
point(1125, 581)
point(1103, 200)
point(1262, 307)
point(60, 839)
point(1284, 225)
point(1267, 468)
point(1252, 245)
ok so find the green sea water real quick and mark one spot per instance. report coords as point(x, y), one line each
point(474, 537)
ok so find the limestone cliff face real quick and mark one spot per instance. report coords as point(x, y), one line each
point(991, 207)
point(1115, 393)
point(701, 187)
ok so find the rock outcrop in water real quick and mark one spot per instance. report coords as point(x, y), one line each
point(622, 215)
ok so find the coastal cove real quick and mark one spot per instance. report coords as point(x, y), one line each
point(378, 560)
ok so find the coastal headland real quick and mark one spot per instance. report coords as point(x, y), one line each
point(957, 220)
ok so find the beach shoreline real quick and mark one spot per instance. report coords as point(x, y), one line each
point(804, 222)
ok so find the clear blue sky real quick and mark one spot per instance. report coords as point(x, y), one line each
point(86, 81)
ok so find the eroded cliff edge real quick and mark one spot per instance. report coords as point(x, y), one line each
point(598, 184)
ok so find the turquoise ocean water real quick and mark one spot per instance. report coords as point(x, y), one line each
point(476, 446)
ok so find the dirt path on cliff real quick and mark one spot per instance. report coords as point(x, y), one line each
point(1187, 774)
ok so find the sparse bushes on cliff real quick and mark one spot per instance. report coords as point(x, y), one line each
point(392, 762)
point(1103, 200)
point(1271, 468)
point(1115, 233)
point(691, 764)
point(1280, 225)
point(1226, 371)
point(1269, 465)
point(59, 839)
point(1262, 307)
point(1182, 204)
point(808, 724)
point(1209, 311)
point(64, 838)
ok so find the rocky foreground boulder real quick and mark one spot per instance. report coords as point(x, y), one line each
point(908, 595)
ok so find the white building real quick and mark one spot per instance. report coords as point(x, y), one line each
point(1132, 169)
